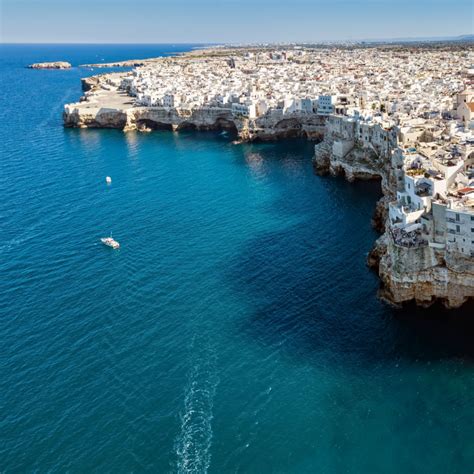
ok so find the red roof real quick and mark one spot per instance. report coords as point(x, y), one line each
point(466, 190)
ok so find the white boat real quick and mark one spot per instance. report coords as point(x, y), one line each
point(108, 179)
point(110, 242)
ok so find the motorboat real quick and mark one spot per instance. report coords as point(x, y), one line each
point(110, 242)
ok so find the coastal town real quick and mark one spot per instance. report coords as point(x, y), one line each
point(402, 114)
point(237, 236)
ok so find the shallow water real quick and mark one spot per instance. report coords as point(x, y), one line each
point(236, 330)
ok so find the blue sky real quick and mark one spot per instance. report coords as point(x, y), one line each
point(159, 21)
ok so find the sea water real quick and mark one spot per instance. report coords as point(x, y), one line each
point(238, 327)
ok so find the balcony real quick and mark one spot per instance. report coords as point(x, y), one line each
point(423, 192)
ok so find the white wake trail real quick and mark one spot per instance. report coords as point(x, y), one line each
point(194, 441)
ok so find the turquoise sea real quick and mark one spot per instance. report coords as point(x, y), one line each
point(237, 329)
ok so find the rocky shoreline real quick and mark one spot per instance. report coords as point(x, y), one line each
point(105, 104)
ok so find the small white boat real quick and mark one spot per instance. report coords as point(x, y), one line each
point(110, 242)
point(108, 179)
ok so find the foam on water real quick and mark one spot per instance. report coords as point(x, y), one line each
point(193, 443)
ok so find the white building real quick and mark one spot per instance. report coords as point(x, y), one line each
point(325, 105)
point(460, 229)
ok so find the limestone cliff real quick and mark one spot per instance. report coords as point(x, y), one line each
point(355, 164)
point(106, 105)
point(425, 275)
point(276, 125)
point(422, 274)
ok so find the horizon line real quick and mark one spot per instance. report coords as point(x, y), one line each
point(230, 43)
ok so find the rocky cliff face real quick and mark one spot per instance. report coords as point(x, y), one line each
point(90, 83)
point(356, 164)
point(103, 115)
point(421, 274)
point(275, 125)
point(146, 118)
point(151, 118)
point(104, 105)
point(95, 118)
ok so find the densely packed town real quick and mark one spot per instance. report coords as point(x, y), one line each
point(413, 106)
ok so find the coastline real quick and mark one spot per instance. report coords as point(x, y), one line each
point(421, 275)
point(105, 104)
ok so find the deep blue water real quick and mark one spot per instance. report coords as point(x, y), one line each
point(236, 330)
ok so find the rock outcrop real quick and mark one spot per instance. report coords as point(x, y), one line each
point(424, 275)
point(90, 83)
point(274, 126)
point(51, 65)
point(355, 164)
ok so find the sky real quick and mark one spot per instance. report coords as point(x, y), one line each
point(229, 21)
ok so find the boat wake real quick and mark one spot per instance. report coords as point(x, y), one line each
point(195, 438)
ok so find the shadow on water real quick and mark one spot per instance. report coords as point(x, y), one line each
point(312, 293)
point(310, 319)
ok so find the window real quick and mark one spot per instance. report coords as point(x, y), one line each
point(457, 217)
point(458, 229)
